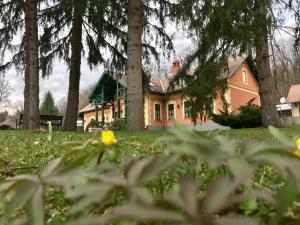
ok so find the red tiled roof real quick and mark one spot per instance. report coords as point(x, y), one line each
point(161, 84)
point(294, 94)
point(88, 108)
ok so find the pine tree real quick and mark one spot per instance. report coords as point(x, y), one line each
point(224, 28)
point(32, 64)
point(134, 67)
point(48, 106)
point(66, 25)
point(139, 49)
point(103, 25)
point(20, 17)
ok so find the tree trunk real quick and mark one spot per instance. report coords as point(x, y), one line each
point(267, 84)
point(70, 118)
point(32, 65)
point(135, 119)
point(26, 98)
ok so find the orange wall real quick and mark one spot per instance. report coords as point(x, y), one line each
point(237, 79)
point(237, 95)
point(241, 93)
point(177, 100)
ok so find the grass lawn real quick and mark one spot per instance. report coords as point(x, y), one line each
point(19, 148)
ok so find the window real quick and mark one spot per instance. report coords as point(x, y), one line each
point(187, 109)
point(171, 111)
point(157, 111)
point(245, 77)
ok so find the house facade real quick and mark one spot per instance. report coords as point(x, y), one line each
point(161, 108)
point(293, 99)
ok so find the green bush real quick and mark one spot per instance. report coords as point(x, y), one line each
point(93, 124)
point(249, 117)
point(118, 124)
point(4, 127)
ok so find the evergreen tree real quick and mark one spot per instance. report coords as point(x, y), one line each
point(140, 33)
point(103, 25)
point(20, 17)
point(32, 65)
point(223, 28)
point(134, 67)
point(48, 106)
point(66, 25)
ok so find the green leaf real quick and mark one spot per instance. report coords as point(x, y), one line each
point(50, 167)
point(218, 195)
point(249, 206)
point(50, 131)
point(141, 213)
point(281, 137)
point(238, 220)
point(23, 193)
point(36, 207)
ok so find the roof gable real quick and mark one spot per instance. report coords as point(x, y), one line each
point(294, 94)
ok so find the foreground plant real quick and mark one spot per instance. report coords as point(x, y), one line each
point(168, 188)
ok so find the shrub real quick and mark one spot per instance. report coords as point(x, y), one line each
point(118, 124)
point(249, 117)
point(4, 127)
point(93, 124)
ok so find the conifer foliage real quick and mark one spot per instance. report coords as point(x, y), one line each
point(18, 19)
point(223, 28)
point(48, 106)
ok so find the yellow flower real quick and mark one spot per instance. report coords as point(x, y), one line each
point(297, 152)
point(108, 137)
point(298, 143)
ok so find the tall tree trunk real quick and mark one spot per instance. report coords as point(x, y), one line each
point(32, 65)
point(26, 97)
point(71, 114)
point(135, 118)
point(267, 84)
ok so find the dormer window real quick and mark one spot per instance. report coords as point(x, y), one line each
point(245, 76)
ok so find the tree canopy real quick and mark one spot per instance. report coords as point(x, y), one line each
point(48, 106)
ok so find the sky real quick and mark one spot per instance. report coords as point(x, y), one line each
point(58, 81)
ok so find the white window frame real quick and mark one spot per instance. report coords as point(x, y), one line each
point(245, 76)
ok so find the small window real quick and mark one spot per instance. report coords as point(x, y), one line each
point(157, 112)
point(171, 111)
point(245, 77)
point(187, 109)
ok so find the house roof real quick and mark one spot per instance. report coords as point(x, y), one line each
point(157, 84)
point(294, 94)
point(88, 108)
point(161, 84)
point(9, 122)
point(234, 63)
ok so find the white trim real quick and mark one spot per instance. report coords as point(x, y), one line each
point(245, 76)
point(243, 89)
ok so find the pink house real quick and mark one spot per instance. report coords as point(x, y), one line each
point(162, 108)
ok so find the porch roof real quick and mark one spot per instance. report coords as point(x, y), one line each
point(108, 84)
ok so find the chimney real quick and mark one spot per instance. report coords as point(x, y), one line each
point(176, 67)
